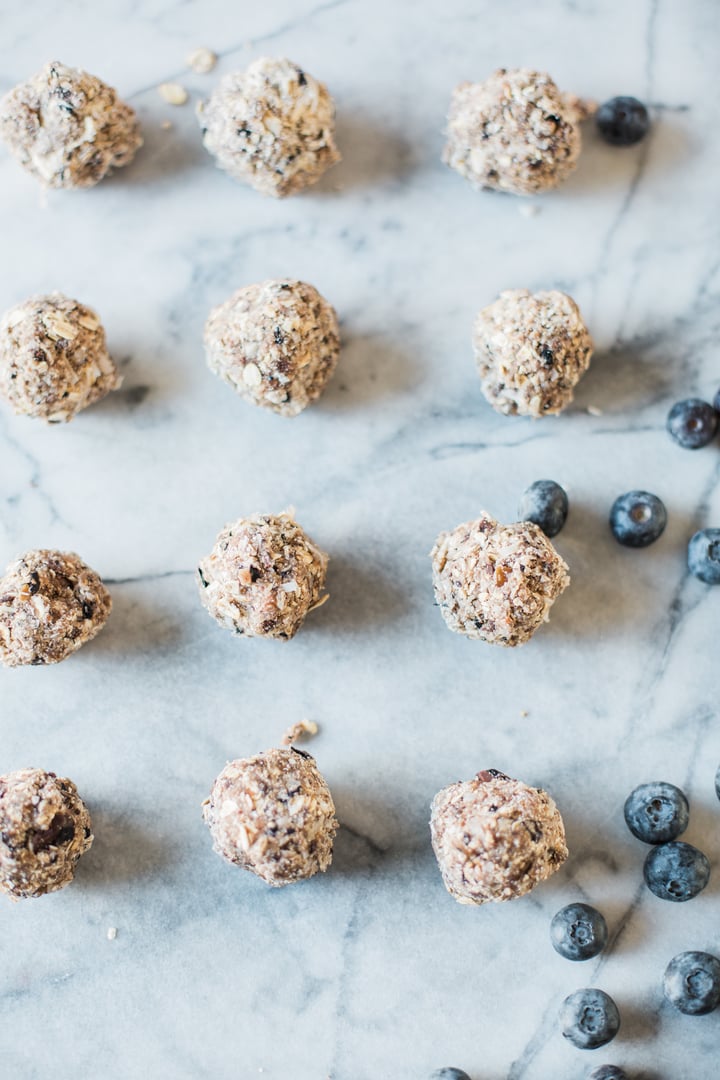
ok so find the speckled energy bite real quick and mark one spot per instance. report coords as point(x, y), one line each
point(496, 582)
point(53, 358)
point(44, 829)
point(531, 350)
point(273, 814)
point(495, 838)
point(271, 126)
point(68, 128)
point(263, 577)
point(276, 344)
point(51, 603)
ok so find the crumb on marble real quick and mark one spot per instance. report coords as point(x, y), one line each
point(112, 933)
point(173, 93)
point(529, 210)
point(593, 410)
point(202, 60)
point(304, 729)
point(167, 125)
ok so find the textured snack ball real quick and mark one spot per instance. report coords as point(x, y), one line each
point(271, 126)
point(263, 576)
point(531, 350)
point(44, 829)
point(51, 603)
point(495, 838)
point(515, 132)
point(273, 814)
point(276, 344)
point(496, 582)
point(54, 359)
point(68, 128)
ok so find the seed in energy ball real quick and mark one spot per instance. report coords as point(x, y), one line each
point(607, 1072)
point(546, 504)
point(589, 1018)
point(637, 519)
point(657, 812)
point(692, 423)
point(676, 871)
point(704, 556)
point(623, 121)
point(692, 983)
point(578, 932)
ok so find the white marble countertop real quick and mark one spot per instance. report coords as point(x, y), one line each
point(371, 971)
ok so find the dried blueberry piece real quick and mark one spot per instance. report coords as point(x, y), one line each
point(589, 1018)
point(578, 932)
point(676, 871)
point(546, 504)
point(704, 556)
point(637, 519)
point(656, 812)
point(692, 423)
point(623, 121)
point(692, 983)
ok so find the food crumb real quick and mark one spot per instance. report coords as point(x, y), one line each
point(594, 411)
point(112, 933)
point(167, 125)
point(524, 712)
point(173, 93)
point(304, 729)
point(529, 209)
point(201, 61)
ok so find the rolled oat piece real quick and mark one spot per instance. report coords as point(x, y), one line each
point(514, 132)
point(271, 126)
point(263, 576)
point(273, 814)
point(495, 838)
point(54, 359)
point(496, 582)
point(531, 350)
point(68, 128)
point(44, 829)
point(276, 344)
point(51, 604)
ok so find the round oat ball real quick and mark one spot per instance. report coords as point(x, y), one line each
point(68, 128)
point(53, 358)
point(271, 126)
point(495, 838)
point(51, 603)
point(531, 350)
point(276, 344)
point(273, 814)
point(44, 829)
point(514, 132)
point(263, 576)
point(496, 582)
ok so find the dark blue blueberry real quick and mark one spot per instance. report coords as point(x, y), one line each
point(623, 121)
point(607, 1072)
point(578, 932)
point(704, 556)
point(589, 1018)
point(449, 1074)
point(692, 423)
point(692, 983)
point(717, 782)
point(716, 402)
point(676, 871)
point(657, 812)
point(637, 519)
point(546, 504)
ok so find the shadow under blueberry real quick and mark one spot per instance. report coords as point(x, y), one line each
point(604, 167)
point(123, 851)
point(371, 154)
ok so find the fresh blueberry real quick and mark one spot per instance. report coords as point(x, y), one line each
point(578, 932)
point(589, 1018)
point(623, 121)
point(546, 504)
point(676, 871)
point(449, 1074)
point(637, 519)
point(657, 812)
point(717, 782)
point(607, 1072)
point(704, 556)
point(692, 423)
point(716, 402)
point(692, 983)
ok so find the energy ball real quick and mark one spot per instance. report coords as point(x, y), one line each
point(514, 132)
point(496, 582)
point(53, 358)
point(263, 577)
point(272, 127)
point(68, 128)
point(44, 829)
point(531, 349)
point(51, 603)
point(276, 343)
point(495, 838)
point(273, 814)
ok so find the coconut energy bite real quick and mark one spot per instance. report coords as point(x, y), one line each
point(531, 350)
point(271, 126)
point(496, 582)
point(68, 128)
point(495, 838)
point(44, 829)
point(273, 814)
point(276, 344)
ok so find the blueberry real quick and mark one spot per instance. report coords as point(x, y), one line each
point(716, 402)
point(637, 519)
point(607, 1072)
point(676, 871)
point(704, 556)
point(578, 932)
point(692, 423)
point(546, 504)
point(589, 1018)
point(623, 121)
point(449, 1074)
point(692, 983)
point(657, 812)
point(717, 782)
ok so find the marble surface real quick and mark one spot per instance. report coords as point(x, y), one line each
point(370, 971)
